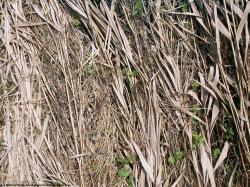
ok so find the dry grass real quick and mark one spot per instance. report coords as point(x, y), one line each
point(157, 92)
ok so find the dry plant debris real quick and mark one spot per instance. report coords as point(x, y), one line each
point(125, 93)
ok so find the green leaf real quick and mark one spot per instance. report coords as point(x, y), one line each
point(132, 158)
point(138, 8)
point(93, 167)
point(123, 172)
point(195, 86)
point(184, 7)
point(130, 180)
point(171, 159)
point(179, 155)
point(216, 153)
point(126, 161)
point(188, 25)
point(197, 139)
point(229, 133)
point(89, 69)
point(176, 156)
point(75, 21)
point(122, 161)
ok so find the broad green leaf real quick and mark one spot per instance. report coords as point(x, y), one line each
point(229, 133)
point(138, 8)
point(197, 139)
point(184, 7)
point(123, 172)
point(171, 159)
point(130, 181)
point(195, 86)
point(89, 69)
point(126, 161)
point(121, 160)
point(216, 153)
point(132, 158)
point(176, 156)
point(179, 155)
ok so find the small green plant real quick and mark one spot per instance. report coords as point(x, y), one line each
point(138, 8)
point(228, 169)
point(229, 132)
point(89, 69)
point(188, 25)
point(195, 86)
point(123, 171)
point(197, 139)
point(75, 21)
point(216, 153)
point(176, 157)
point(130, 180)
point(94, 167)
point(126, 161)
point(196, 109)
point(184, 6)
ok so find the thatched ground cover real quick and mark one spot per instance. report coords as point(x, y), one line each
point(124, 93)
